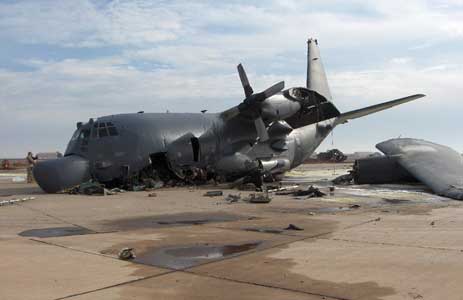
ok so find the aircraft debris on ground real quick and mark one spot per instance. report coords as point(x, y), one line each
point(411, 160)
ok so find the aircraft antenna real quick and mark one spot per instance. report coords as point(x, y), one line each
point(308, 64)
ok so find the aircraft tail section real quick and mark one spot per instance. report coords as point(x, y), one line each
point(316, 77)
point(354, 114)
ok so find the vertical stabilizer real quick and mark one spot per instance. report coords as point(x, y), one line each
point(316, 77)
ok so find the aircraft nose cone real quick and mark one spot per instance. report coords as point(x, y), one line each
point(58, 174)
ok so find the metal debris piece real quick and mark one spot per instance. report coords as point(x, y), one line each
point(437, 166)
point(126, 254)
point(344, 179)
point(213, 194)
point(88, 188)
point(354, 206)
point(380, 170)
point(432, 223)
point(377, 219)
point(14, 201)
point(233, 198)
point(311, 192)
point(138, 188)
point(293, 227)
point(152, 195)
point(258, 198)
point(284, 190)
point(114, 191)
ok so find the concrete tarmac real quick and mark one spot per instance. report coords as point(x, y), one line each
point(360, 242)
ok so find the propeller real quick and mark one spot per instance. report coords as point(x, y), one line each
point(251, 104)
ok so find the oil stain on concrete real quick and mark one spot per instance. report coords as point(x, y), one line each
point(181, 257)
point(182, 219)
point(55, 232)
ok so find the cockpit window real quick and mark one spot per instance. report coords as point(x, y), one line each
point(102, 132)
point(75, 135)
point(103, 129)
point(112, 131)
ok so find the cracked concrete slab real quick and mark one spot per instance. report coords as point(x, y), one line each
point(349, 270)
point(148, 241)
point(176, 286)
point(33, 270)
point(440, 228)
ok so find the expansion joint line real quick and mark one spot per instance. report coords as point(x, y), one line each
point(188, 271)
point(115, 285)
point(262, 285)
point(56, 218)
point(394, 244)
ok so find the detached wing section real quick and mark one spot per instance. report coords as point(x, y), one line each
point(437, 166)
point(354, 114)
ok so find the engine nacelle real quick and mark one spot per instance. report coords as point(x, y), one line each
point(279, 107)
point(276, 165)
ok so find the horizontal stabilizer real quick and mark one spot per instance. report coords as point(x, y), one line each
point(354, 114)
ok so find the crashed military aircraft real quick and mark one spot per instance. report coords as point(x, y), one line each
point(410, 160)
point(268, 133)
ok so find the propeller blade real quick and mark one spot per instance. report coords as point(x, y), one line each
point(261, 130)
point(274, 89)
point(244, 81)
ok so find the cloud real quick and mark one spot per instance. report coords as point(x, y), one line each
point(119, 56)
point(84, 24)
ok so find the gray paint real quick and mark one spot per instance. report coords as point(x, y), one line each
point(294, 126)
point(437, 166)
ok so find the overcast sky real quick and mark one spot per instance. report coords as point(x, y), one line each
point(67, 61)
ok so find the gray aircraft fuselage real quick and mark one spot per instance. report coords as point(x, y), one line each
point(269, 132)
point(140, 135)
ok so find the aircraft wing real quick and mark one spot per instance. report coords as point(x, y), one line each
point(437, 166)
point(354, 114)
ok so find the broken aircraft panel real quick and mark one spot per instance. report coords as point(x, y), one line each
point(437, 166)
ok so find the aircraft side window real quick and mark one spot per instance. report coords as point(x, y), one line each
point(112, 131)
point(102, 132)
point(102, 129)
point(75, 135)
point(84, 136)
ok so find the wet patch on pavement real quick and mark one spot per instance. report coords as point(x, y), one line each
point(55, 232)
point(311, 210)
point(182, 257)
point(396, 201)
point(183, 219)
point(322, 210)
point(266, 268)
point(263, 230)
